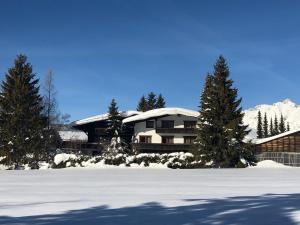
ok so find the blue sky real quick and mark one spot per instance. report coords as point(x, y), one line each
point(101, 50)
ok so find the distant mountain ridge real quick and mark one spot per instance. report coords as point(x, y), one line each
point(289, 110)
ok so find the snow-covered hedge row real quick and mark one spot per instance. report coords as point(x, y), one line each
point(173, 160)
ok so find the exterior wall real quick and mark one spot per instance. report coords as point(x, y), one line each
point(288, 143)
point(141, 130)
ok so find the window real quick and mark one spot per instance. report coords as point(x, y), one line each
point(189, 124)
point(189, 139)
point(149, 124)
point(167, 124)
point(145, 139)
point(167, 139)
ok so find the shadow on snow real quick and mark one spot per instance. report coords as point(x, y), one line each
point(248, 210)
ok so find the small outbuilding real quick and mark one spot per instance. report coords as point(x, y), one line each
point(283, 148)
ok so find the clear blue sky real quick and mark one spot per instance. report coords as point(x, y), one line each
point(101, 50)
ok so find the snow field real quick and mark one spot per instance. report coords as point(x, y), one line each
point(42, 193)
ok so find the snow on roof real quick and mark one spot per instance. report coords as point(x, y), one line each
point(264, 140)
point(73, 135)
point(101, 117)
point(161, 112)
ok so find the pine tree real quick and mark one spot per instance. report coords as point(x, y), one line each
point(265, 126)
point(259, 131)
point(224, 123)
point(204, 141)
point(114, 120)
point(115, 143)
point(276, 127)
point(272, 133)
point(281, 125)
point(160, 103)
point(288, 126)
point(151, 101)
point(21, 116)
point(143, 105)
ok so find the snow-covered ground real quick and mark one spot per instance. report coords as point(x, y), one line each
point(146, 196)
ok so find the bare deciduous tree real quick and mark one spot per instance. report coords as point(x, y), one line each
point(50, 103)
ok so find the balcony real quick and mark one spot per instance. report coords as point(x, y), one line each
point(161, 130)
point(161, 148)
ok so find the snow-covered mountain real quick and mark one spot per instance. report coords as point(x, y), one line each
point(289, 110)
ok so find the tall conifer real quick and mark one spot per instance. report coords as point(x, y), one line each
point(114, 120)
point(259, 131)
point(224, 123)
point(160, 103)
point(204, 141)
point(151, 101)
point(265, 126)
point(276, 127)
point(21, 117)
point(281, 125)
point(143, 105)
point(272, 133)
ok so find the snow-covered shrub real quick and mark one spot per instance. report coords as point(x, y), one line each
point(115, 160)
point(172, 160)
point(61, 160)
point(181, 160)
point(146, 159)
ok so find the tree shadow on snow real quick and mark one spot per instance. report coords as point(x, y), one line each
point(268, 209)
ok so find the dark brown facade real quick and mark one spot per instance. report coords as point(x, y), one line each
point(287, 143)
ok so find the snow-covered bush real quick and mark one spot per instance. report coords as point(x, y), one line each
point(172, 160)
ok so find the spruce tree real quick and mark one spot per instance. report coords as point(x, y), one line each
point(151, 101)
point(204, 141)
point(225, 123)
point(265, 126)
point(281, 125)
point(276, 127)
point(114, 140)
point(114, 127)
point(143, 105)
point(259, 131)
point(288, 126)
point(271, 128)
point(21, 117)
point(160, 103)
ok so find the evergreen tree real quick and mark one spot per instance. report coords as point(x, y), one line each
point(276, 127)
point(281, 125)
point(265, 126)
point(160, 103)
point(114, 127)
point(204, 141)
point(21, 116)
point(259, 131)
point(288, 127)
point(115, 143)
point(143, 105)
point(272, 133)
point(151, 101)
point(223, 124)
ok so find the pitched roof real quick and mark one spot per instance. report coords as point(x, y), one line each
point(102, 117)
point(161, 112)
point(264, 140)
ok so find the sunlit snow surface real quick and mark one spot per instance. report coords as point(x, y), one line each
point(151, 196)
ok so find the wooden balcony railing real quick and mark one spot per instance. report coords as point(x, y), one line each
point(162, 148)
point(176, 130)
